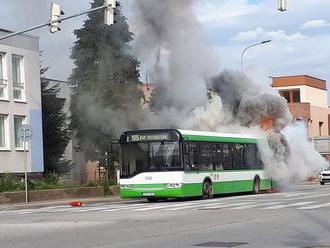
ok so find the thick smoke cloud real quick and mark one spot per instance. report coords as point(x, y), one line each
point(179, 59)
point(249, 102)
point(171, 44)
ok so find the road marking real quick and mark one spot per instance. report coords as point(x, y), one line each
point(308, 197)
point(227, 205)
point(133, 206)
point(163, 206)
point(315, 206)
point(90, 209)
point(256, 205)
point(288, 205)
point(294, 194)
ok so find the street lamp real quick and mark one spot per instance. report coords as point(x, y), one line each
point(257, 44)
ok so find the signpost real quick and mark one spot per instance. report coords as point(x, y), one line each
point(25, 135)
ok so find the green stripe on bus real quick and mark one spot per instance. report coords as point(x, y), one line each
point(192, 189)
point(218, 139)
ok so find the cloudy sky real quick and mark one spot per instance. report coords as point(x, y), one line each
point(300, 36)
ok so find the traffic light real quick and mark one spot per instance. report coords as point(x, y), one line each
point(56, 12)
point(109, 13)
point(282, 5)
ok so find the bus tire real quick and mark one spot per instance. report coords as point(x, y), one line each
point(322, 183)
point(207, 190)
point(256, 185)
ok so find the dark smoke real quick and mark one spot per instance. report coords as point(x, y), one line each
point(247, 103)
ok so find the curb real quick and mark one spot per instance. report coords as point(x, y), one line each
point(62, 202)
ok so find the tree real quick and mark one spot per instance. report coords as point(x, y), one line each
point(106, 98)
point(56, 132)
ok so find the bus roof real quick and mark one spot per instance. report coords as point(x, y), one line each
point(217, 137)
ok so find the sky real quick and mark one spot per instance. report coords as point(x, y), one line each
point(300, 36)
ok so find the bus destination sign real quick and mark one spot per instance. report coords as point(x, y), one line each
point(148, 137)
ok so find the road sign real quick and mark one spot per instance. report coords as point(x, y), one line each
point(25, 133)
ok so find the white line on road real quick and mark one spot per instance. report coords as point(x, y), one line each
point(316, 206)
point(256, 205)
point(308, 197)
point(289, 205)
point(226, 205)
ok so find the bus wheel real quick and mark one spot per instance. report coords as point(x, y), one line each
point(322, 183)
point(207, 190)
point(256, 185)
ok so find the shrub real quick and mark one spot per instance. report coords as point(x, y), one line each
point(9, 183)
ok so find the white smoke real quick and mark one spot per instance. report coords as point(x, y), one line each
point(178, 57)
point(304, 161)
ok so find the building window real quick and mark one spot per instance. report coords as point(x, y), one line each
point(18, 122)
point(285, 94)
point(3, 133)
point(291, 95)
point(18, 84)
point(320, 127)
point(296, 95)
point(3, 81)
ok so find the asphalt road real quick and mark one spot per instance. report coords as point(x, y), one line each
point(299, 217)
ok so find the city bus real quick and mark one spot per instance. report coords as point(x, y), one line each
point(171, 163)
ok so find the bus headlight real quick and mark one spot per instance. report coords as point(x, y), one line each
point(173, 185)
point(126, 186)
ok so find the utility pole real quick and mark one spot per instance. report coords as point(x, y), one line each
point(56, 12)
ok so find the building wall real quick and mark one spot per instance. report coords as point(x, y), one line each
point(319, 114)
point(11, 158)
point(313, 105)
point(300, 111)
point(314, 96)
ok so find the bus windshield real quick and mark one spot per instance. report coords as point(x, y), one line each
point(150, 157)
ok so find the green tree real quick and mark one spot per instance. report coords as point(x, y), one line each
point(106, 98)
point(56, 132)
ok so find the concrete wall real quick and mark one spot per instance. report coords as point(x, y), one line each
point(11, 159)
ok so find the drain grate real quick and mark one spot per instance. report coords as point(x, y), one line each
point(221, 244)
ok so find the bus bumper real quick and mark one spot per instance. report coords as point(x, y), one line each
point(161, 191)
point(152, 193)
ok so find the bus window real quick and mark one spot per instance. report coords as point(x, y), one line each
point(216, 156)
point(227, 160)
point(250, 156)
point(206, 160)
point(238, 156)
point(199, 156)
point(259, 163)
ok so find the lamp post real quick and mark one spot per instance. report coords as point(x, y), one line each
point(257, 44)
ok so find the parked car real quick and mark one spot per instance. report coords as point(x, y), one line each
point(325, 176)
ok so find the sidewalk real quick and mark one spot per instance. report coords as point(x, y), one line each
point(61, 202)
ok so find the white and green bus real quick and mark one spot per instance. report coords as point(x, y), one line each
point(170, 163)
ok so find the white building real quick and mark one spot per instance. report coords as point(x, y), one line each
point(20, 102)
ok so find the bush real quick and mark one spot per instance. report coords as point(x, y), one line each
point(9, 183)
point(107, 184)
